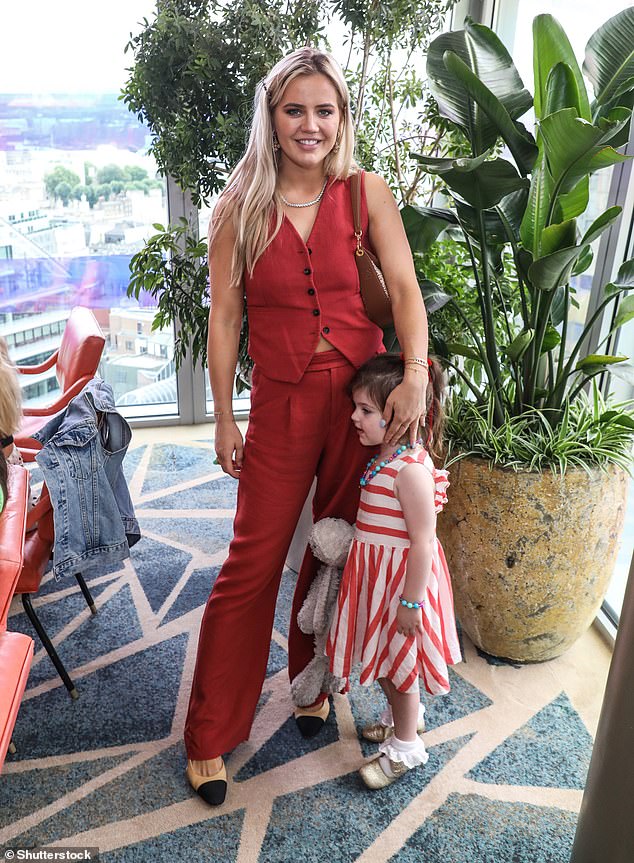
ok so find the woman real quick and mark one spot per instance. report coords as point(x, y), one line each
point(282, 235)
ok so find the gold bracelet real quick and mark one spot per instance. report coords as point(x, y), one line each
point(222, 413)
point(418, 360)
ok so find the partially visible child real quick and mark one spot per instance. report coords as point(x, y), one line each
point(394, 615)
point(10, 405)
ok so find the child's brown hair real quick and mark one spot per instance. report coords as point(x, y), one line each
point(384, 372)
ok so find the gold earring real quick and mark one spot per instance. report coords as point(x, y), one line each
point(276, 143)
point(337, 146)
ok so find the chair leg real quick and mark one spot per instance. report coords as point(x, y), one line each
point(90, 602)
point(48, 644)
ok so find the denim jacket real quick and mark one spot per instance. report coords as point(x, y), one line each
point(82, 463)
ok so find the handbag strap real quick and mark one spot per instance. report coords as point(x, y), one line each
point(355, 190)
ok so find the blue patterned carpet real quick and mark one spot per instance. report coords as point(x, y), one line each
point(508, 748)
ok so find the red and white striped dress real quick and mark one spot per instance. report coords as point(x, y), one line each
point(363, 630)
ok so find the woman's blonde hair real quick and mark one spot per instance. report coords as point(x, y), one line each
point(249, 199)
point(10, 394)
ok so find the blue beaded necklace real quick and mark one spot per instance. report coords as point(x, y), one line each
point(374, 466)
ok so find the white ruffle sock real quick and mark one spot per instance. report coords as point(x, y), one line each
point(411, 753)
point(387, 719)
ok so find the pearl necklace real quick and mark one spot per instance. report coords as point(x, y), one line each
point(371, 471)
point(307, 203)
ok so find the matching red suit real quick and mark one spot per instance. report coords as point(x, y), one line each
point(299, 428)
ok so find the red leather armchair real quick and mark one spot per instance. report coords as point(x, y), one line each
point(16, 650)
point(38, 549)
point(76, 362)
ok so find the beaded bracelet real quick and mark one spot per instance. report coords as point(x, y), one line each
point(408, 604)
point(418, 360)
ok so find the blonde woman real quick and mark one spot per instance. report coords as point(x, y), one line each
point(282, 237)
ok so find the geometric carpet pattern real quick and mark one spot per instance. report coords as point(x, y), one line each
point(508, 746)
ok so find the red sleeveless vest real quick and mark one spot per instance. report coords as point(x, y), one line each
point(301, 290)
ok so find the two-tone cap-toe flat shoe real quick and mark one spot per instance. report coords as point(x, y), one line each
point(212, 789)
point(311, 721)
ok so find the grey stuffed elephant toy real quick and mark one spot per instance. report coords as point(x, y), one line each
point(330, 540)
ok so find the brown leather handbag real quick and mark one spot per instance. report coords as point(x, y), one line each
point(374, 293)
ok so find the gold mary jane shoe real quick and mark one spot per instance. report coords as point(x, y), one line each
point(212, 789)
point(375, 777)
point(378, 733)
point(311, 721)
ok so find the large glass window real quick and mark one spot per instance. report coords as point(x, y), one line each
point(79, 195)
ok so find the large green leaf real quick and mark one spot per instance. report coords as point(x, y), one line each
point(559, 306)
point(567, 207)
point(574, 202)
point(596, 360)
point(490, 62)
point(423, 225)
point(520, 345)
point(625, 276)
point(434, 296)
point(605, 220)
point(460, 350)
point(584, 261)
point(519, 141)
point(442, 165)
point(538, 205)
point(555, 270)
point(574, 148)
point(558, 236)
point(625, 311)
point(482, 186)
point(551, 46)
point(562, 90)
point(552, 270)
point(508, 212)
point(551, 339)
point(609, 61)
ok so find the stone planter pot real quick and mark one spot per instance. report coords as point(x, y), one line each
point(530, 554)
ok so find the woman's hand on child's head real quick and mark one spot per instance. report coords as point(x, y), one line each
point(409, 621)
point(405, 409)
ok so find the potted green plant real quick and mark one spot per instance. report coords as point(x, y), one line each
point(539, 484)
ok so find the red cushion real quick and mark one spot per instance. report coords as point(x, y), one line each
point(16, 654)
point(12, 525)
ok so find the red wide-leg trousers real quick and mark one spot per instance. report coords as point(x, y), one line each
point(296, 432)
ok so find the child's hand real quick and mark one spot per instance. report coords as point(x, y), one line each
point(409, 621)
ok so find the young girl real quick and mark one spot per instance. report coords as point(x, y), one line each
point(394, 614)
